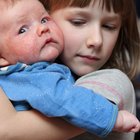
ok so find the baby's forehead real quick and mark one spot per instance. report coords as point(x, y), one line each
point(7, 16)
point(7, 3)
point(16, 12)
point(5, 23)
point(14, 9)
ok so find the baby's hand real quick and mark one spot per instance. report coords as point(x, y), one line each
point(126, 122)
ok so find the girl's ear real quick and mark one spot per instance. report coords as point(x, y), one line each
point(3, 62)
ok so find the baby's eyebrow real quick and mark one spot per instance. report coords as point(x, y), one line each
point(21, 18)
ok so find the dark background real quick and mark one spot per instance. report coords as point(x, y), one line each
point(138, 7)
point(137, 80)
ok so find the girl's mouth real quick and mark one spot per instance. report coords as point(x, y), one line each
point(88, 59)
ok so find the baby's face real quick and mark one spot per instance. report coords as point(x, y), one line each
point(28, 33)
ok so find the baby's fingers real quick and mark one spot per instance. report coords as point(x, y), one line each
point(136, 128)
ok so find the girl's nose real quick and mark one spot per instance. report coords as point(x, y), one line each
point(94, 38)
point(41, 29)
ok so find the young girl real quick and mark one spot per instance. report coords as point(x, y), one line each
point(99, 27)
point(86, 60)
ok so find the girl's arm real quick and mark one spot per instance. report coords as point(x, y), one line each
point(31, 125)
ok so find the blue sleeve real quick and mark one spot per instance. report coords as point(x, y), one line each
point(54, 94)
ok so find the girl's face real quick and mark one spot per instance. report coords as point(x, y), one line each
point(28, 34)
point(90, 35)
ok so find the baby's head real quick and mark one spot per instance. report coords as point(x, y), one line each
point(27, 33)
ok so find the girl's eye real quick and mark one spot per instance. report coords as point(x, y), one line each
point(44, 20)
point(22, 30)
point(110, 27)
point(78, 22)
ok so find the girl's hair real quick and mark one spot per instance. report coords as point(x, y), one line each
point(126, 53)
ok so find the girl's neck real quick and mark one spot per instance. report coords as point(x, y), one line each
point(74, 75)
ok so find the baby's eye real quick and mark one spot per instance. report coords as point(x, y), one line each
point(22, 30)
point(44, 20)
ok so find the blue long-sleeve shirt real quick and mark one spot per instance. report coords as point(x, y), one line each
point(49, 88)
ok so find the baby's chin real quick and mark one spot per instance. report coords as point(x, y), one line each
point(50, 55)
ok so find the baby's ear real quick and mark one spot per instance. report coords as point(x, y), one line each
point(3, 62)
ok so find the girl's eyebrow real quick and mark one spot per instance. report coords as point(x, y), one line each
point(114, 17)
point(77, 12)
